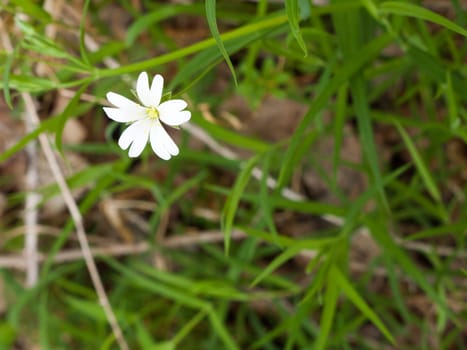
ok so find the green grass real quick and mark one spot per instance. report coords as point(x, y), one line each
point(369, 255)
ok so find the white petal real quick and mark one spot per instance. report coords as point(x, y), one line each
point(136, 135)
point(136, 114)
point(142, 89)
point(156, 89)
point(125, 115)
point(161, 143)
point(138, 145)
point(121, 101)
point(128, 136)
point(175, 119)
point(117, 114)
point(171, 106)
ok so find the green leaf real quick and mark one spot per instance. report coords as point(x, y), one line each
point(370, 7)
point(6, 75)
point(182, 296)
point(211, 57)
point(346, 287)
point(436, 69)
point(87, 308)
point(81, 178)
point(231, 137)
point(366, 133)
point(212, 23)
point(7, 335)
point(37, 42)
point(419, 164)
point(304, 244)
point(232, 201)
point(339, 126)
point(82, 46)
point(302, 148)
point(188, 327)
point(445, 230)
point(265, 199)
point(27, 83)
point(292, 10)
point(352, 65)
point(165, 345)
point(44, 320)
point(269, 22)
point(412, 10)
point(406, 264)
point(32, 9)
point(278, 261)
point(143, 336)
point(330, 304)
point(352, 27)
point(25, 297)
point(144, 22)
point(452, 104)
point(177, 193)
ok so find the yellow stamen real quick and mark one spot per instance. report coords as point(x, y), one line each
point(152, 113)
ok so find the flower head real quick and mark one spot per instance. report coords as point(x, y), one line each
point(145, 118)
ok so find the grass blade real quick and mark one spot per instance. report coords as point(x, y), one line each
point(352, 27)
point(330, 304)
point(404, 262)
point(82, 47)
point(411, 10)
point(231, 204)
point(212, 22)
point(278, 261)
point(293, 14)
point(419, 164)
point(346, 287)
point(352, 65)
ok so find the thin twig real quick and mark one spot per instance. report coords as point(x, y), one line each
point(31, 214)
point(31, 183)
point(33, 198)
point(42, 230)
point(185, 241)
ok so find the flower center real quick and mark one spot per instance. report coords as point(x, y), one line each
point(152, 113)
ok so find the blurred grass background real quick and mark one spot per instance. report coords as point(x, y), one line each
point(318, 202)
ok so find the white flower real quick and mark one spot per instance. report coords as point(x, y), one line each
point(145, 118)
